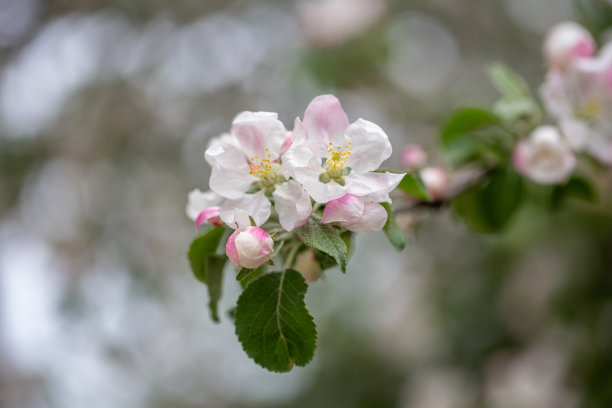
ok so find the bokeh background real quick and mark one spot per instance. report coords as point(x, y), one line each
point(106, 107)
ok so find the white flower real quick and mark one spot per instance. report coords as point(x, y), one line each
point(581, 100)
point(204, 207)
point(249, 159)
point(566, 42)
point(435, 180)
point(357, 214)
point(545, 157)
point(249, 247)
point(331, 158)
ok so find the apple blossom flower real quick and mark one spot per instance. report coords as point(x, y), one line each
point(545, 157)
point(249, 159)
point(414, 157)
point(331, 158)
point(307, 264)
point(204, 207)
point(581, 101)
point(357, 214)
point(249, 247)
point(333, 22)
point(566, 42)
point(435, 180)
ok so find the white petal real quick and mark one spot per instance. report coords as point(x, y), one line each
point(373, 219)
point(376, 186)
point(230, 175)
point(348, 208)
point(256, 205)
point(576, 132)
point(370, 146)
point(293, 205)
point(319, 192)
point(258, 131)
point(198, 201)
point(298, 156)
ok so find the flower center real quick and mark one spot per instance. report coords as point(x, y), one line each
point(266, 170)
point(592, 109)
point(334, 165)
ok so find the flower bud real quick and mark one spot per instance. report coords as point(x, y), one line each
point(308, 266)
point(436, 181)
point(566, 42)
point(544, 157)
point(204, 207)
point(249, 247)
point(414, 157)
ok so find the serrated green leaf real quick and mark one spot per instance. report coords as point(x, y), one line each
point(325, 239)
point(413, 185)
point(325, 261)
point(273, 324)
point(392, 230)
point(489, 206)
point(200, 248)
point(214, 278)
point(207, 267)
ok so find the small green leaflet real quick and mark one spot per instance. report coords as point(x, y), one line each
point(325, 239)
point(208, 267)
point(412, 184)
point(392, 230)
point(273, 324)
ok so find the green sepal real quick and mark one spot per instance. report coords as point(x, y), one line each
point(393, 232)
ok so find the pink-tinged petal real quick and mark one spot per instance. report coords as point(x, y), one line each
point(198, 201)
point(376, 186)
point(347, 208)
point(325, 120)
point(231, 251)
point(266, 244)
point(370, 146)
point(373, 219)
point(255, 205)
point(258, 131)
point(518, 157)
point(547, 157)
point(600, 147)
point(299, 156)
point(299, 131)
point(210, 215)
point(292, 204)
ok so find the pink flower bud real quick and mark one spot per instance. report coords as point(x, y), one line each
point(544, 157)
point(566, 42)
point(356, 214)
point(414, 157)
point(249, 247)
point(308, 266)
point(436, 181)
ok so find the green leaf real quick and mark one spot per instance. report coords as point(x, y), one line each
point(489, 206)
point(214, 272)
point(467, 135)
point(510, 84)
point(325, 261)
point(207, 266)
point(200, 248)
point(273, 324)
point(576, 187)
point(246, 276)
point(392, 230)
point(413, 185)
point(325, 239)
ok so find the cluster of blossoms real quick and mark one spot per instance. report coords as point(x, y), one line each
point(577, 94)
point(266, 178)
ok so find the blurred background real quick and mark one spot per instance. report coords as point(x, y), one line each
point(106, 107)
